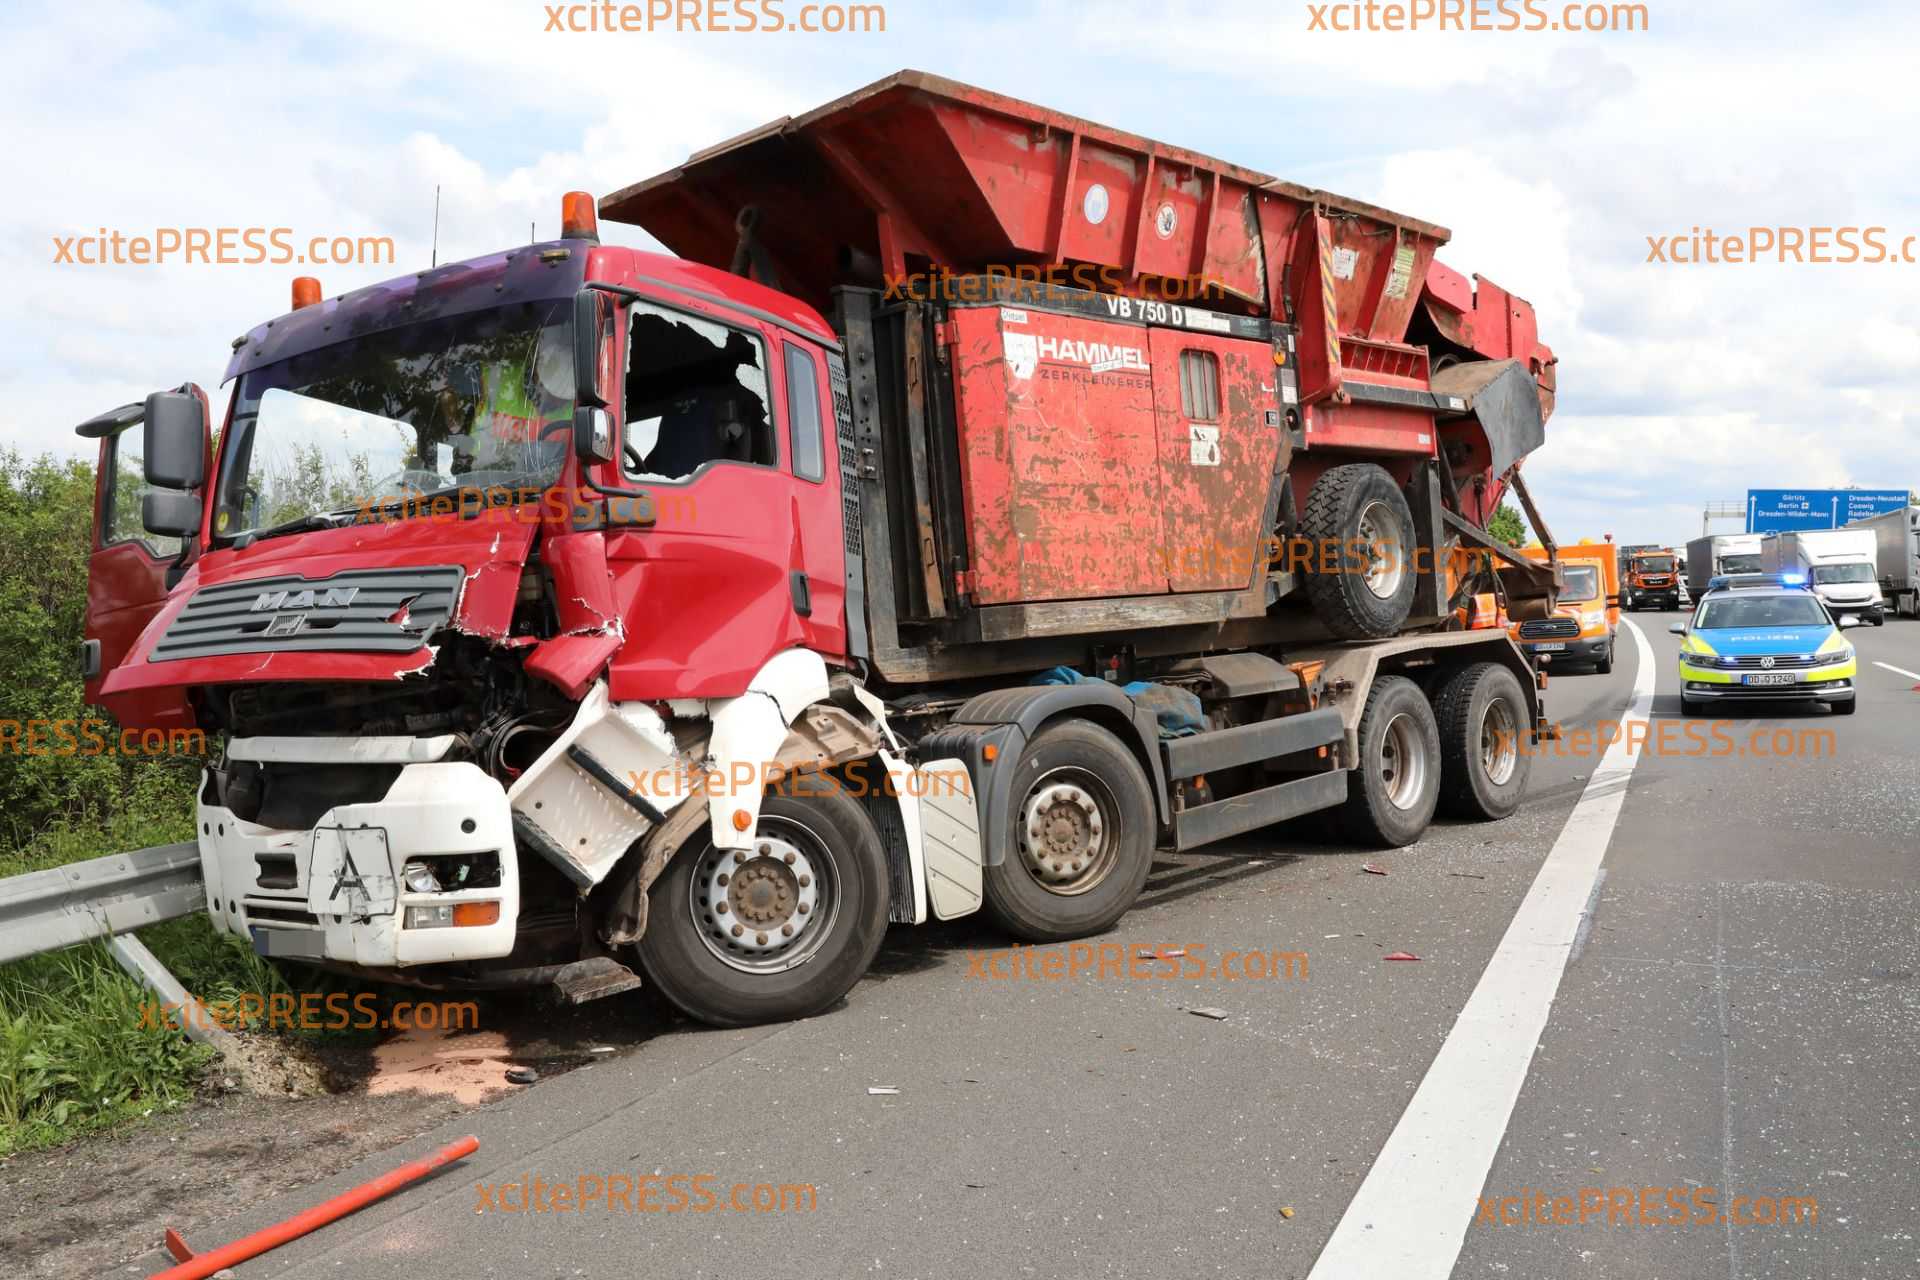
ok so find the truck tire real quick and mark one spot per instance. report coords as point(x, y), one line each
point(714, 945)
point(1081, 836)
point(1605, 663)
point(1482, 714)
point(1392, 795)
point(1359, 504)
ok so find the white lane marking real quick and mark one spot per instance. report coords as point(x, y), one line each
point(1911, 675)
point(1410, 1216)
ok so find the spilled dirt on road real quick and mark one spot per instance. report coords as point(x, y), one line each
point(87, 1207)
point(468, 1067)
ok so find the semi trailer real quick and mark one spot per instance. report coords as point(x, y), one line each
point(1718, 555)
point(1896, 544)
point(1840, 565)
point(577, 616)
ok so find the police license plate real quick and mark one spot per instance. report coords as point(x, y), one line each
point(1555, 647)
point(1773, 677)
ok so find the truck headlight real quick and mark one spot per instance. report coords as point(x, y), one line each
point(419, 877)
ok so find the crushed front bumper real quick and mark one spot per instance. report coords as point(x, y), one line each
point(334, 893)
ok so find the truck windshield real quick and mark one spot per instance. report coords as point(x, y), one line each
point(1798, 610)
point(1740, 564)
point(1583, 583)
point(1657, 564)
point(479, 403)
point(1828, 574)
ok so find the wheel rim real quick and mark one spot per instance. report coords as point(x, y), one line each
point(1379, 532)
point(1499, 743)
point(1067, 836)
point(768, 908)
point(1403, 765)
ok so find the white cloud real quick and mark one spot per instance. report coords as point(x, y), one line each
point(1551, 156)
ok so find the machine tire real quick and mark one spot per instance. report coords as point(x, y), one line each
point(1477, 779)
point(679, 952)
point(1359, 502)
point(1389, 804)
point(1036, 893)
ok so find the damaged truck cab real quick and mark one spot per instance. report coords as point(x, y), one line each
point(579, 615)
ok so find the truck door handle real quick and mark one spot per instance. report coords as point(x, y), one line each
point(802, 593)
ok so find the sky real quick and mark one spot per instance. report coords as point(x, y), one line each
point(1552, 156)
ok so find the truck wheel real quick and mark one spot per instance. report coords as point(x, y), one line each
point(1482, 714)
point(1353, 506)
point(1081, 840)
point(776, 932)
point(1605, 665)
point(1392, 794)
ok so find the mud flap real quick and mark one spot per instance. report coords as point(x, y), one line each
point(942, 793)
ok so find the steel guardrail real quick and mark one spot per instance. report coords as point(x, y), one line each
point(99, 898)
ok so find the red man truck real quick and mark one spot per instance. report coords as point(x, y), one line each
point(578, 615)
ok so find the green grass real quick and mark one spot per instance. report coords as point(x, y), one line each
point(74, 1058)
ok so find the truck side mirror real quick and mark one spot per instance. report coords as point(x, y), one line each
point(586, 349)
point(593, 434)
point(170, 512)
point(177, 438)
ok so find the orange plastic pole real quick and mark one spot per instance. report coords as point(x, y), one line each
point(202, 1265)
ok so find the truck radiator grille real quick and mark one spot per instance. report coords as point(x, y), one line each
point(1550, 629)
point(384, 610)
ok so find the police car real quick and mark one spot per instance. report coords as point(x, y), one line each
point(1765, 636)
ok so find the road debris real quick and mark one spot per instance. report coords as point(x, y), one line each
point(199, 1266)
point(881, 1090)
point(1217, 1015)
point(1400, 955)
point(1373, 868)
point(1286, 1211)
point(522, 1075)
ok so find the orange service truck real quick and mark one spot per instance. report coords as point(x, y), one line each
point(1587, 617)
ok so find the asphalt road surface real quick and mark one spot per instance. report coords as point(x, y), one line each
point(1684, 988)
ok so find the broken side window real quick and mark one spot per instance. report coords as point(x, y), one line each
point(696, 393)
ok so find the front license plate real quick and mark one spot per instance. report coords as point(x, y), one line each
point(1549, 648)
point(1773, 677)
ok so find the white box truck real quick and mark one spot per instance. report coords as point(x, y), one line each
point(1708, 558)
point(1841, 565)
point(1896, 540)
